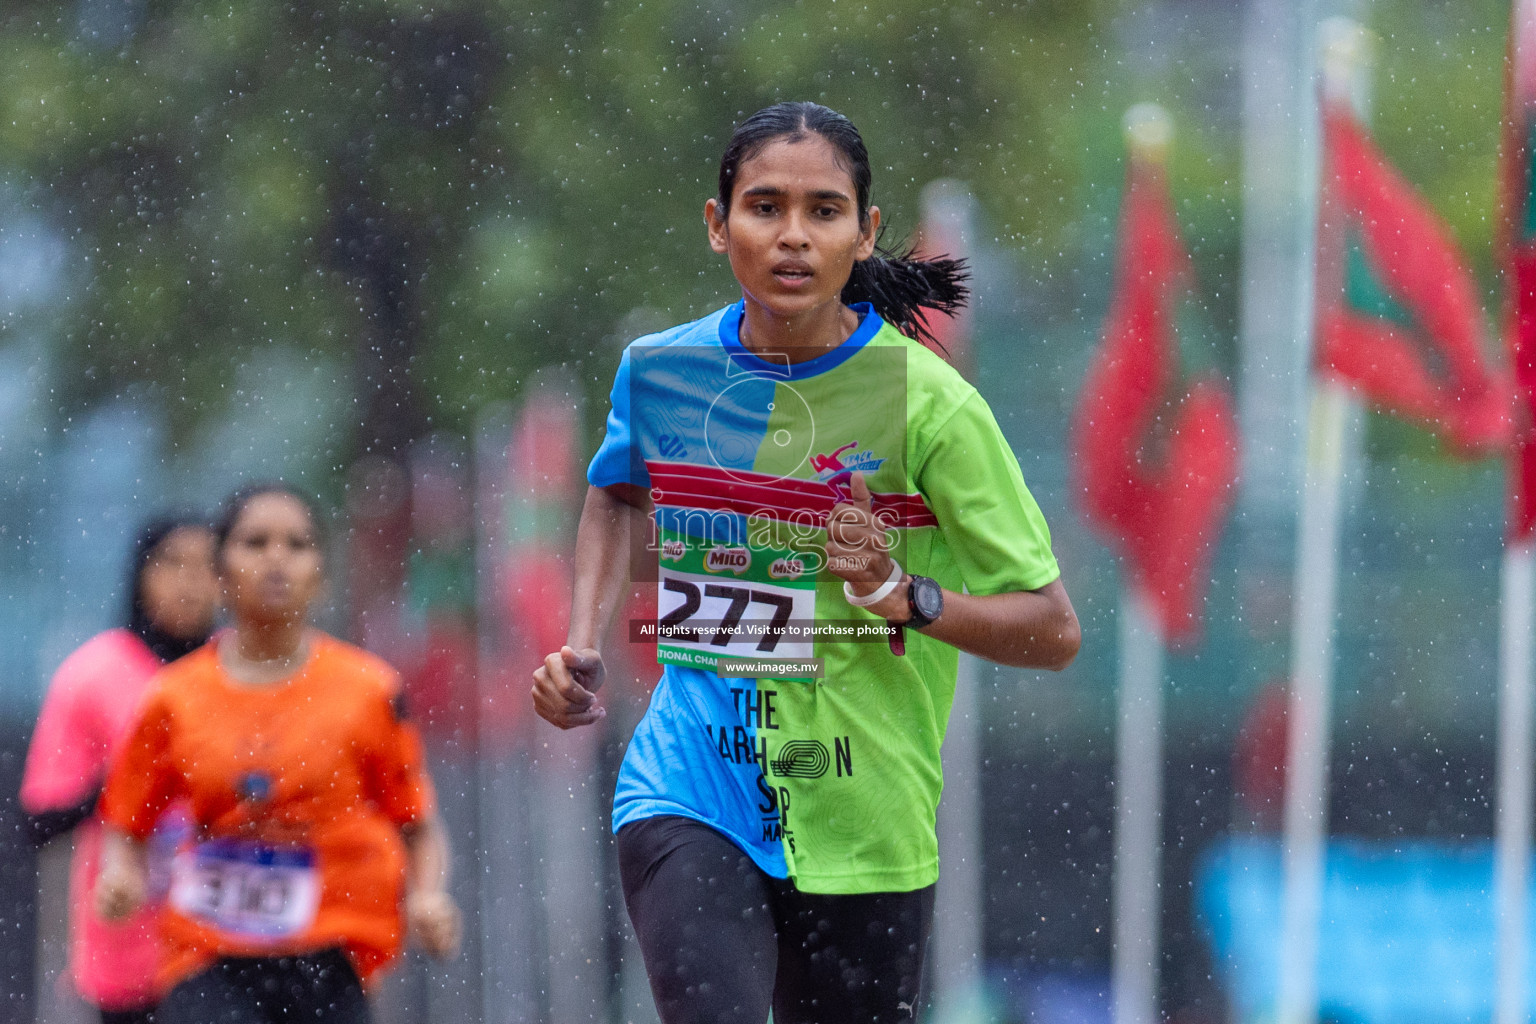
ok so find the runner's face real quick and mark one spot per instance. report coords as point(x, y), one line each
point(793, 231)
point(178, 586)
point(271, 565)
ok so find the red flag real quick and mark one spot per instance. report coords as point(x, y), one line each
point(1517, 252)
point(1397, 311)
point(1156, 460)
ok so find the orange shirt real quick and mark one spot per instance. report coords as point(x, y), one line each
point(297, 790)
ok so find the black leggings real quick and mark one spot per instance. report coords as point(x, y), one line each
point(316, 988)
point(723, 942)
point(144, 1016)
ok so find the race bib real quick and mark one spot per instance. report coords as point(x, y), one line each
point(250, 889)
point(733, 601)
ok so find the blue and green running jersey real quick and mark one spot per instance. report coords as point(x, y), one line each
point(785, 718)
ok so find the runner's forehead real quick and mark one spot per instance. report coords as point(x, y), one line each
point(808, 167)
point(183, 544)
point(274, 510)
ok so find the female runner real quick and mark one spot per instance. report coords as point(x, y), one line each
point(313, 814)
point(836, 515)
point(87, 713)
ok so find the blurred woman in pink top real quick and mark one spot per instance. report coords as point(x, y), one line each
point(90, 707)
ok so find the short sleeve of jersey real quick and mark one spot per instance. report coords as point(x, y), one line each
point(972, 481)
point(394, 766)
point(617, 461)
point(141, 782)
point(67, 755)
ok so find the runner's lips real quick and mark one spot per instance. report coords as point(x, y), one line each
point(793, 272)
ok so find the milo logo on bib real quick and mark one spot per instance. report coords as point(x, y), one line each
point(725, 600)
point(732, 560)
point(786, 569)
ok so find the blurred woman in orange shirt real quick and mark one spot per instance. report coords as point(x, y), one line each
point(314, 819)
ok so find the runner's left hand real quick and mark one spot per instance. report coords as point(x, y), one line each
point(858, 550)
point(433, 919)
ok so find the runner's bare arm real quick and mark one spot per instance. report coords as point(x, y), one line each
point(431, 915)
point(122, 885)
point(613, 520)
point(1026, 629)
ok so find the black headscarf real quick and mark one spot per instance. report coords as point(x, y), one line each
point(166, 647)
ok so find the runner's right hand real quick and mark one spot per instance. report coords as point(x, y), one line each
point(565, 688)
point(120, 890)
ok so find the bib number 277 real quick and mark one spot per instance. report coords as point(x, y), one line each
point(687, 623)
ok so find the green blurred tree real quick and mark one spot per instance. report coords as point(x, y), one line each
point(449, 195)
point(237, 175)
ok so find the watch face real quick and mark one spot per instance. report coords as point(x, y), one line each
point(928, 598)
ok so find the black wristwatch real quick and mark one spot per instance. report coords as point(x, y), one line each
point(925, 600)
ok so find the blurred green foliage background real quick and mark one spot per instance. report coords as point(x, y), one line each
point(444, 196)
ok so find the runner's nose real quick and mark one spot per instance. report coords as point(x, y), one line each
point(794, 235)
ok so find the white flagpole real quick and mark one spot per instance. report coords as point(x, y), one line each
point(1137, 901)
point(960, 910)
point(1314, 612)
point(566, 798)
point(961, 896)
point(1517, 619)
point(511, 956)
point(1307, 743)
point(1512, 851)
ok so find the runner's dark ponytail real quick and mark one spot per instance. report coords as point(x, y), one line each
point(899, 286)
point(896, 283)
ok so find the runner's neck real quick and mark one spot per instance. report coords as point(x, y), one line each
point(799, 339)
point(261, 657)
